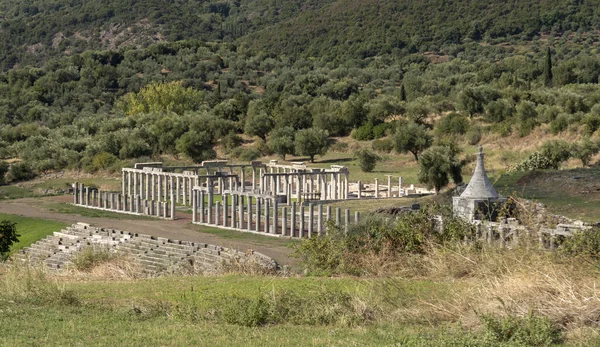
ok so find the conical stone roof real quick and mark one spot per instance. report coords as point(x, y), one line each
point(480, 186)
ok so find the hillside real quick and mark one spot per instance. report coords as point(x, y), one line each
point(32, 31)
point(360, 29)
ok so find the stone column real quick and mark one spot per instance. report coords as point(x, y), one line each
point(147, 183)
point(258, 212)
point(135, 184)
point(328, 213)
point(76, 193)
point(184, 190)
point(201, 205)
point(195, 208)
point(346, 220)
point(376, 188)
point(159, 182)
point(389, 194)
point(359, 190)
point(267, 215)
point(320, 219)
point(399, 186)
point(243, 180)
point(283, 221)
point(253, 178)
point(172, 216)
point(293, 220)
point(356, 217)
point(87, 196)
point(225, 202)
point(249, 214)
point(338, 216)
point(234, 201)
point(275, 216)
point(217, 213)
point(153, 187)
point(346, 185)
point(311, 213)
point(301, 229)
point(241, 212)
point(210, 207)
point(177, 189)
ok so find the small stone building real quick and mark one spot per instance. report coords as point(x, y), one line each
point(479, 201)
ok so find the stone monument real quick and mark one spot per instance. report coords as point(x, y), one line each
point(479, 201)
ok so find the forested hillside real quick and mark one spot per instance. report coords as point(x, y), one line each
point(445, 72)
point(33, 30)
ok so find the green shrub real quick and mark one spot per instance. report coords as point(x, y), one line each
point(231, 141)
point(4, 167)
point(559, 125)
point(584, 243)
point(592, 123)
point(453, 124)
point(380, 130)
point(503, 129)
point(474, 136)
point(556, 151)
point(533, 330)
point(366, 160)
point(585, 150)
point(364, 133)
point(103, 161)
point(20, 172)
point(383, 145)
point(245, 153)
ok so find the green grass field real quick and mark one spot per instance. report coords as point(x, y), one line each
point(31, 229)
point(67, 208)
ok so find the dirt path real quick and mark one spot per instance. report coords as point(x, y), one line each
point(179, 229)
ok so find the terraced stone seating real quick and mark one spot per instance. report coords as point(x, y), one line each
point(155, 255)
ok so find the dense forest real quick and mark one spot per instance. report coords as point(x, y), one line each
point(180, 78)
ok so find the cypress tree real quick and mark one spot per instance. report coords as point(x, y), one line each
point(548, 68)
point(402, 92)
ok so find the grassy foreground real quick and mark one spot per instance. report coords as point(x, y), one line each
point(31, 229)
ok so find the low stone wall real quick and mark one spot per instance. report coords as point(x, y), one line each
point(155, 255)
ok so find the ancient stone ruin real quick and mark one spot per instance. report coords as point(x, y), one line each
point(154, 255)
point(480, 200)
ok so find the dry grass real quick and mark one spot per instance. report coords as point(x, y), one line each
point(505, 282)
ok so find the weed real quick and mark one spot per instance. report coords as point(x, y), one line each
point(92, 256)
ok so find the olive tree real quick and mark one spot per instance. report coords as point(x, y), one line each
point(311, 142)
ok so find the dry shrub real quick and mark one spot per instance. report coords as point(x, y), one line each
point(247, 266)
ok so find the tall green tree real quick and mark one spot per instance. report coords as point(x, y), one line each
point(311, 142)
point(437, 165)
point(412, 137)
point(281, 141)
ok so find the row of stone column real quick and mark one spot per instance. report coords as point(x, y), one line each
point(266, 215)
point(158, 186)
point(121, 203)
point(325, 186)
point(387, 192)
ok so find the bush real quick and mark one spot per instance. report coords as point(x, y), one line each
point(556, 151)
point(20, 172)
point(231, 141)
point(103, 161)
point(527, 331)
point(559, 125)
point(364, 133)
point(535, 161)
point(474, 136)
point(585, 150)
point(366, 160)
point(453, 124)
point(585, 243)
point(383, 145)
point(8, 236)
point(245, 153)
point(379, 130)
point(4, 167)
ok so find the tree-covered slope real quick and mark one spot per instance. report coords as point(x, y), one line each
point(365, 28)
point(32, 30)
